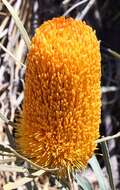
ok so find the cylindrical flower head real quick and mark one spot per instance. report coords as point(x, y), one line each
point(61, 109)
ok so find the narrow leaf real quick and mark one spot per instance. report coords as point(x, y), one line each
point(83, 182)
point(107, 163)
point(18, 23)
point(98, 172)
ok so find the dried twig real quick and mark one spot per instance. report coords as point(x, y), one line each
point(30, 162)
point(9, 53)
point(108, 138)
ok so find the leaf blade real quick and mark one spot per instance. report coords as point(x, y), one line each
point(18, 23)
point(98, 172)
point(107, 163)
point(83, 182)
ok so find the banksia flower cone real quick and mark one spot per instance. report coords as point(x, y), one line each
point(61, 110)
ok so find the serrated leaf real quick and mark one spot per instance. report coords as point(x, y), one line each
point(98, 172)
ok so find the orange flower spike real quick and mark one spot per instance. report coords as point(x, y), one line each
point(61, 109)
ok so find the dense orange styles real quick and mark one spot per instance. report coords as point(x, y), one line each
point(61, 109)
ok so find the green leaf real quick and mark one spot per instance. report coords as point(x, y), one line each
point(18, 23)
point(107, 163)
point(98, 172)
point(83, 182)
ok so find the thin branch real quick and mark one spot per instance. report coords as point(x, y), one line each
point(10, 149)
point(107, 89)
point(9, 53)
point(30, 162)
point(108, 138)
point(114, 53)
